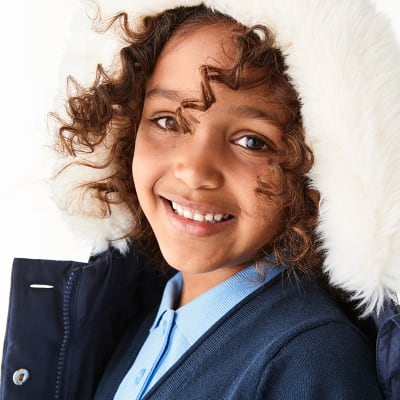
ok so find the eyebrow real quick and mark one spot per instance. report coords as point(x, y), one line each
point(241, 111)
point(172, 95)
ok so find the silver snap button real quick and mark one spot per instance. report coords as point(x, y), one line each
point(20, 376)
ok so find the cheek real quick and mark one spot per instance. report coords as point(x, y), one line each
point(148, 164)
point(264, 213)
point(143, 155)
point(269, 215)
point(141, 162)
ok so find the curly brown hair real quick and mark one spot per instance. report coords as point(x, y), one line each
point(110, 111)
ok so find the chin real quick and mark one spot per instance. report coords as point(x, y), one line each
point(195, 266)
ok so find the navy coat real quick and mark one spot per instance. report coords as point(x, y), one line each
point(67, 318)
point(86, 310)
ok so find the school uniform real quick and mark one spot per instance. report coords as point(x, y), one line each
point(75, 333)
point(82, 336)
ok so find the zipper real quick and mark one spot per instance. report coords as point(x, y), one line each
point(66, 333)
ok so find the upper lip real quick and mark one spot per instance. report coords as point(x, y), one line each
point(201, 208)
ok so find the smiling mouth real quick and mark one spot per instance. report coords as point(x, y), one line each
point(197, 216)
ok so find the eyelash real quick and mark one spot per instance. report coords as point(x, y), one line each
point(267, 146)
point(156, 122)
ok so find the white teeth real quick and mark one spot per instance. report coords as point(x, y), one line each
point(218, 217)
point(196, 216)
point(209, 217)
point(187, 214)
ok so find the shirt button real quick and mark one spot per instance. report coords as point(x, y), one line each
point(20, 376)
point(140, 376)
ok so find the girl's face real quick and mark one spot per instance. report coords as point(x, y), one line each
point(197, 189)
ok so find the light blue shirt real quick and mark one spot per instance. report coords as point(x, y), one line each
point(175, 331)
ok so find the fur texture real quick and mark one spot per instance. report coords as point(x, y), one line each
point(345, 63)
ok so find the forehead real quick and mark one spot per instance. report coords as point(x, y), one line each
point(177, 73)
point(181, 58)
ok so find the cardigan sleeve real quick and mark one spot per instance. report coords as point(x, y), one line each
point(329, 361)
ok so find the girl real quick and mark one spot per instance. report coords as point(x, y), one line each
point(197, 155)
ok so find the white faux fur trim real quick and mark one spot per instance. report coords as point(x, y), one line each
point(345, 63)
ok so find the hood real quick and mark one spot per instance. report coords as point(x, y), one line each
point(344, 62)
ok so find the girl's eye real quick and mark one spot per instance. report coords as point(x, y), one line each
point(167, 123)
point(254, 143)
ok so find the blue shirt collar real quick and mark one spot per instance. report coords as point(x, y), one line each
point(197, 316)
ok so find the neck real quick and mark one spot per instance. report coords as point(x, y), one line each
point(195, 284)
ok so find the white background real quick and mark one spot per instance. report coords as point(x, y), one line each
point(38, 42)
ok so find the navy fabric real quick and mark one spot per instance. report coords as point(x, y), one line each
point(287, 340)
point(388, 350)
point(34, 328)
point(64, 336)
point(275, 344)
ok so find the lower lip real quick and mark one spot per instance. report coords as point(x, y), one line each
point(194, 228)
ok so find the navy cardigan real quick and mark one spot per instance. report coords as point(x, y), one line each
point(78, 335)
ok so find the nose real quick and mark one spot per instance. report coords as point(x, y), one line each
point(199, 164)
